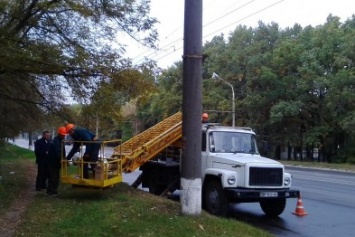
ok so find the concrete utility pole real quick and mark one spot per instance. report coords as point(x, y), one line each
point(190, 197)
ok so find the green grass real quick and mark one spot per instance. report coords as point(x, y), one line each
point(119, 211)
point(13, 163)
point(315, 164)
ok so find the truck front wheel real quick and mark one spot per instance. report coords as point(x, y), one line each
point(154, 186)
point(215, 202)
point(273, 207)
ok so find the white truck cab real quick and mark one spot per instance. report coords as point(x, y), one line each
point(234, 171)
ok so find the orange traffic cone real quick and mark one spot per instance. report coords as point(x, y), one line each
point(299, 211)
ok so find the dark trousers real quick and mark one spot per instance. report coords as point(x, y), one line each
point(92, 155)
point(53, 181)
point(42, 176)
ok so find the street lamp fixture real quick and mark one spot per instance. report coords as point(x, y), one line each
point(215, 76)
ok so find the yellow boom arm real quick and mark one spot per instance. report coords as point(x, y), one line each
point(146, 145)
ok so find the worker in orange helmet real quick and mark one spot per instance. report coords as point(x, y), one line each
point(57, 151)
point(69, 127)
point(82, 136)
point(205, 118)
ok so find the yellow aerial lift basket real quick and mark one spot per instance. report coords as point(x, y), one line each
point(124, 157)
point(107, 171)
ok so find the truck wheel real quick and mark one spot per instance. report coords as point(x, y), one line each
point(154, 186)
point(157, 190)
point(215, 202)
point(273, 207)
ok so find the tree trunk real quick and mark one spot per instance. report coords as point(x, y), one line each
point(278, 152)
point(295, 153)
point(289, 151)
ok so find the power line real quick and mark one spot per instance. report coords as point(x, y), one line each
point(213, 21)
point(171, 43)
point(238, 8)
point(253, 14)
point(163, 39)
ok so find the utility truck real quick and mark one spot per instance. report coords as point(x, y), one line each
point(232, 170)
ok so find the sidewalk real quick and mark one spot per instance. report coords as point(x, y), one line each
point(24, 143)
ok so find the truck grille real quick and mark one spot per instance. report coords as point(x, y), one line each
point(265, 176)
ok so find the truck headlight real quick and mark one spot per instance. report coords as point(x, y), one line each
point(287, 181)
point(231, 180)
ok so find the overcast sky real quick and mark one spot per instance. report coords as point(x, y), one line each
point(223, 16)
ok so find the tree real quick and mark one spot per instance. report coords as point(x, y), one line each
point(49, 46)
point(166, 99)
point(294, 86)
point(126, 87)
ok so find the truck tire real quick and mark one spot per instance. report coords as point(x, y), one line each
point(214, 199)
point(273, 207)
point(154, 186)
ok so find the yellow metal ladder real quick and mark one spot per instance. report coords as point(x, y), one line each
point(146, 145)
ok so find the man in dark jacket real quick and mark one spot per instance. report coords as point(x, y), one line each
point(57, 152)
point(82, 136)
point(42, 147)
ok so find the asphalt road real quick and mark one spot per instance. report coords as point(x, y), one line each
point(327, 197)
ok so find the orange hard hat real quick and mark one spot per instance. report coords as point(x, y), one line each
point(205, 115)
point(62, 131)
point(69, 127)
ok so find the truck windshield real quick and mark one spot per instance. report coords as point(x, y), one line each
point(232, 142)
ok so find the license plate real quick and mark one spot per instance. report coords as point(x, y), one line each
point(268, 194)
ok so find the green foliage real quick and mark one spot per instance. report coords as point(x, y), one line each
point(51, 47)
point(291, 85)
point(109, 103)
point(127, 131)
point(284, 109)
point(315, 135)
point(346, 154)
point(166, 101)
